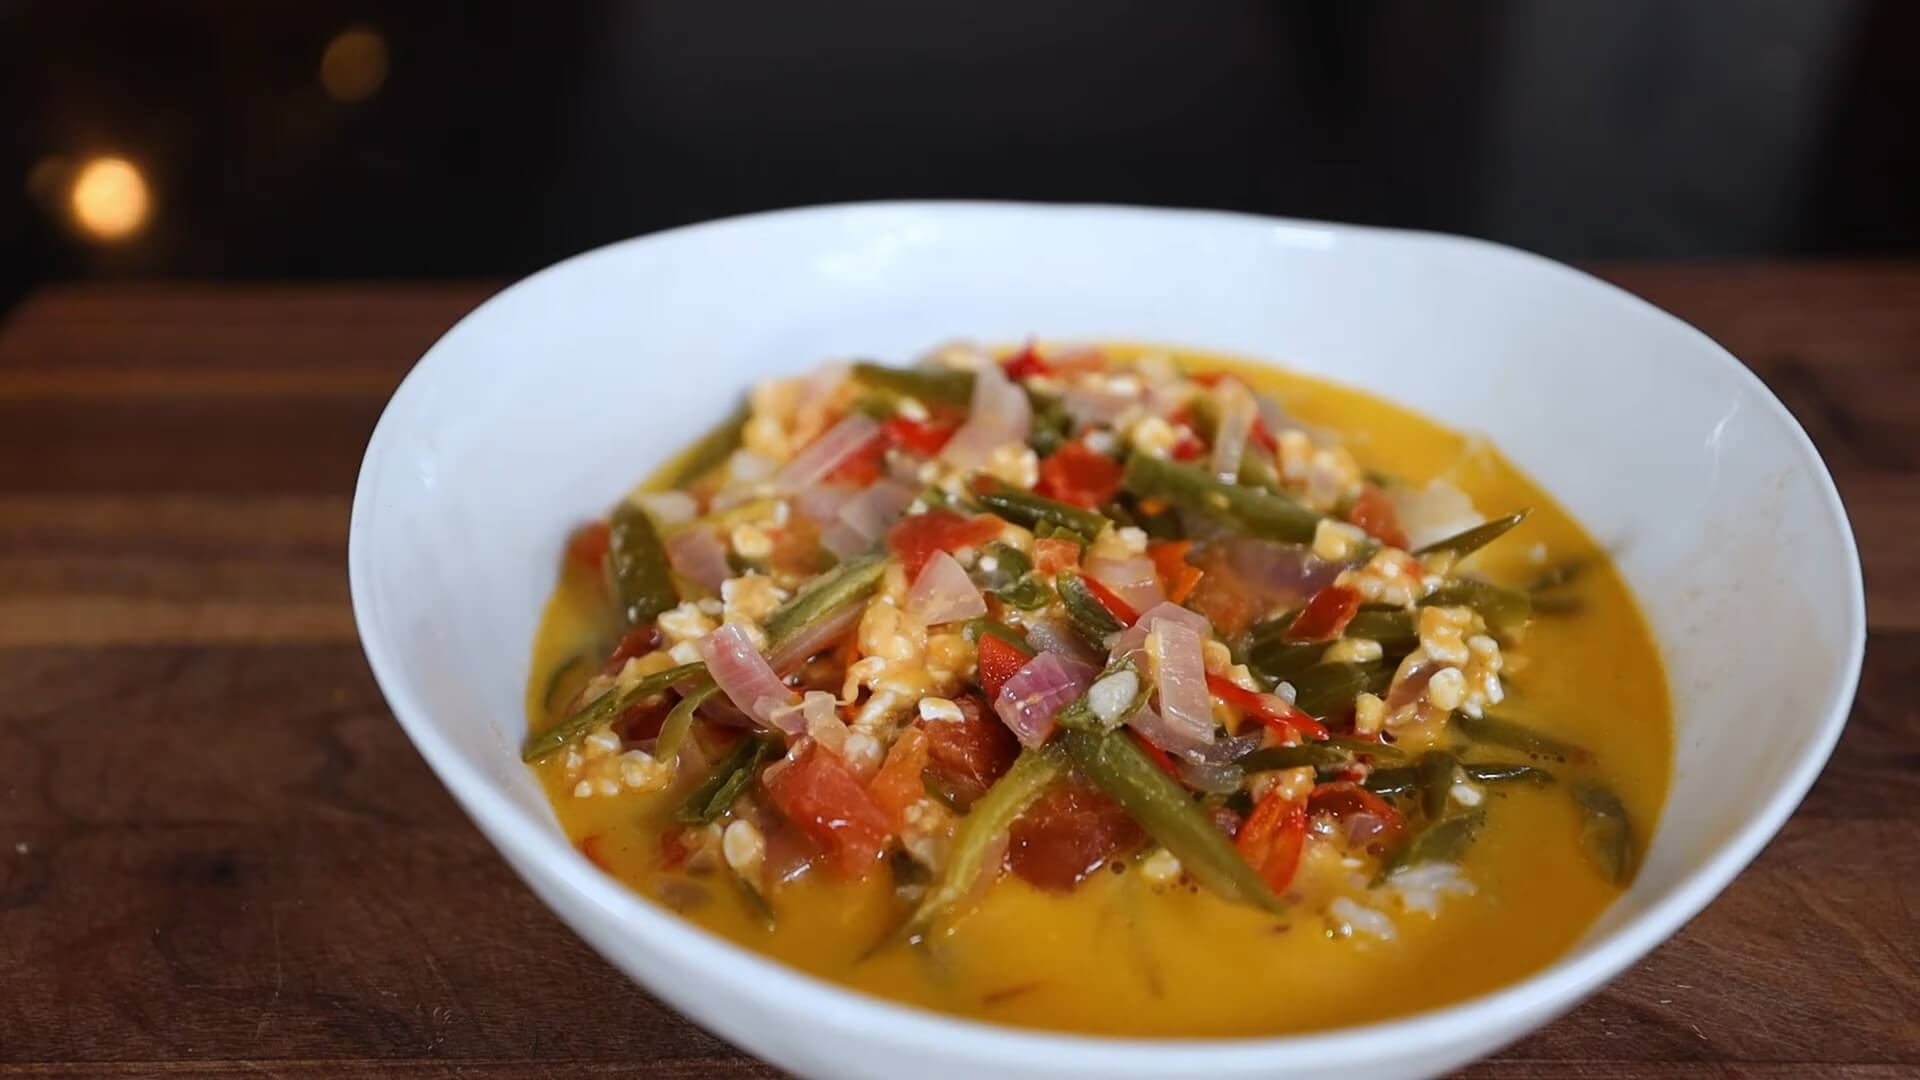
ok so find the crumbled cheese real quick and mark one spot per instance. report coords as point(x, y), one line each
point(863, 753)
point(1447, 689)
point(1161, 867)
point(1110, 695)
point(1133, 539)
point(751, 542)
point(911, 408)
point(1443, 632)
point(684, 623)
point(685, 653)
point(1242, 677)
point(744, 848)
point(940, 710)
point(1218, 657)
point(1320, 476)
point(750, 598)
point(1101, 440)
point(1352, 651)
point(1369, 713)
point(1153, 435)
point(1390, 577)
point(886, 631)
point(927, 830)
point(1015, 463)
point(1335, 541)
point(1356, 918)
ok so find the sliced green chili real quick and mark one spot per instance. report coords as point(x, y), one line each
point(1465, 543)
point(642, 581)
point(1400, 780)
point(1444, 840)
point(562, 679)
point(1606, 834)
point(974, 628)
point(1503, 773)
point(1026, 508)
point(1435, 771)
point(730, 776)
point(1261, 513)
point(679, 721)
point(847, 582)
point(1505, 610)
point(1330, 688)
point(1499, 732)
point(1089, 617)
point(949, 387)
point(602, 710)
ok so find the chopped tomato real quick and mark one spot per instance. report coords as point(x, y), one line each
point(818, 794)
point(642, 721)
point(1226, 599)
point(638, 641)
point(1080, 475)
point(673, 849)
point(1270, 709)
point(1188, 448)
point(917, 536)
point(1272, 837)
point(862, 467)
point(1177, 576)
point(1115, 606)
point(1370, 821)
point(595, 849)
point(898, 785)
point(1160, 757)
point(924, 437)
point(1070, 832)
point(998, 662)
point(588, 544)
point(1326, 615)
point(1050, 555)
point(1027, 363)
point(976, 748)
point(1373, 512)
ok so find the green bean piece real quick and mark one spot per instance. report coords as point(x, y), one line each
point(1396, 626)
point(1033, 772)
point(1260, 513)
point(1257, 470)
point(1318, 755)
point(1026, 508)
point(974, 628)
point(1400, 780)
point(950, 387)
point(1556, 605)
point(1444, 840)
point(1051, 424)
point(1498, 732)
point(679, 721)
point(1330, 688)
point(714, 447)
point(1493, 772)
point(1027, 594)
point(1285, 659)
point(563, 678)
point(1161, 806)
point(1463, 544)
point(637, 562)
point(1557, 576)
point(757, 904)
point(730, 776)
point(1377, 750)
point(1089, 618)
point(1505, 610)
point(1606, 834)
point(602, 710)
point(1436, 771)
point(1269, 654)
point(844, 583)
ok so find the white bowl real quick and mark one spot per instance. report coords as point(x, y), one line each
point(547, 402)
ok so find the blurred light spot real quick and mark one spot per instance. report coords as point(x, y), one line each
point(109, 198)
point(354, 65)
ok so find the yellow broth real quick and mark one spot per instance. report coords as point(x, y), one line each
point(1123, 956)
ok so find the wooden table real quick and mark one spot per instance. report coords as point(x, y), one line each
point(218, 854)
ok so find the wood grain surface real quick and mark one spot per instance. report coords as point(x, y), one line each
point(219, 854)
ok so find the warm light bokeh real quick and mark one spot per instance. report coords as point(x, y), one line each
point(354, 65)
point(109, 198)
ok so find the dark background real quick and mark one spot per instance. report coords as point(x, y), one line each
point(489, 140)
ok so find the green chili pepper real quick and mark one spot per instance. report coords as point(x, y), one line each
point(1163, 808)
point(1257, 470)
point(844, 583)
point(1505, 610)
point(642, 581)
point(949, 387)
point(602, 710)
point(1606, 834)
point(1088, 616)
point(1395, 781)
point(1260, 513)
point(731, 776)
point(1010, 564)
point(1499, 732)
point(1026, 508)
point(1556, 605)
point(1318, 755)
point(1557, 576)
point(974, 628)
point(1435, 772)
point(1051, 424)
point(1444, 840)
point(1033, 772)
point(712, 448)
point(1491, 772)
point(1330, 688)
point(1027, 594)
point(1463, 544)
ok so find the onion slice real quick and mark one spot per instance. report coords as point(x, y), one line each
point(818, 635)
point(1037, 692)
point(1135, 636)
point(1134, 579)
point(1237, 413)
point(1180, 679)
point(748, 680)
point(1051, 636)
point(697, 554)
point(943, 593)
point(1000, 414)
point(822, 455)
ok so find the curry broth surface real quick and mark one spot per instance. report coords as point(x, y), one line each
point(1125, 957)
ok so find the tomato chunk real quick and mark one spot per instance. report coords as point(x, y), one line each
point(1072, 831)
point(914, 540)
point(1373, 512)
point(1050, 556)
point(1227, 600)
point(925, 437)
point(998, 662)
point(1080, 475)
point(973, 750)
point(1272, 838)
point(1270, 709)
point(637, 641)
point(826, 802)
point(1178, 577)
point(588, 544)
point(862, 467)
point(1370, 821)
point(1027, 363)
point(898, 785)
point(1326, 615)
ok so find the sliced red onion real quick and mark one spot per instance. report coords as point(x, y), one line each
point(1412, 683)
point(872, 512)
point(1212, 779)
point(818, 635)
point(999, 415)
point(748, 680)
point(1237, 414)
point(1037, 692)
point(1088, 406)
point(1273, 414)
point(1282, 573)
point(840, 442)
point(667, 508)
point(1134, 636)
point(1180, 679)
point(1053, 636)
point(840, 538)
point(943, 593)
point(1157, 730)
point(699, 555)
point(1134, 579)
point(821, 502)
point(1433, 512)
point(746, 471)
point(1225, 751)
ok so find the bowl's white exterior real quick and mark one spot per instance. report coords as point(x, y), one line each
point(544, 404)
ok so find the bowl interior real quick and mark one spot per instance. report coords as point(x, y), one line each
point(544, 405)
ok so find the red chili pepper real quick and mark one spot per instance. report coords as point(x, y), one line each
point(1262, 437)
point(1271, 839)
point(1160, 757)
point(1177, 576)
point(637, 641)
point(998, 662)
point(1270, 709)
point(1115, 606)
point(1326, 615)
point(924, 437)
point(1189, 448)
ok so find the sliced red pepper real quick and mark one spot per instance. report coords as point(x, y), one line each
point(588, 544)
point(924, 437)
point(914, 540)
point(1080, 475)
point(1272, 838)
point(998, 662)
point(1050, 556)
point(1177, 576)
point(1115, 606)
point(1160, 757)
point(1353, 805)
point(1326, 615)
point(1027, 363)
point(1373, 512)
point(1270, 709)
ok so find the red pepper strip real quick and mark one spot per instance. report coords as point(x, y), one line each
point(998, 663)
point(1326, 615)
point(1270, 709)
point(923, 437)
point(1115, 606)
point(1272, 838)
point(1160, 757)
point(1079, 475)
